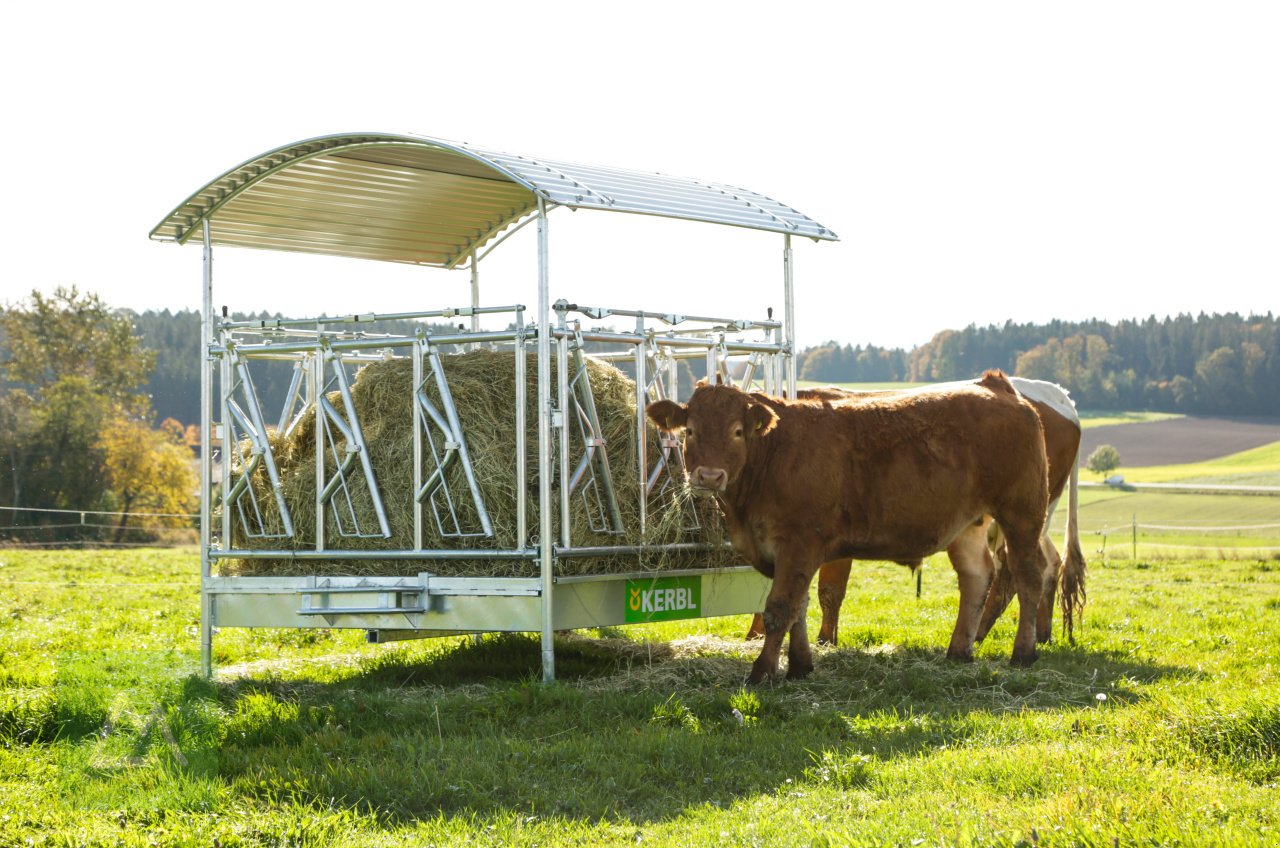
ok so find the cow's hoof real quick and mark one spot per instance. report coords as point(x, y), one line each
point(960, 656)
point(1023, 660)
point(799, 671)
point(760, 675)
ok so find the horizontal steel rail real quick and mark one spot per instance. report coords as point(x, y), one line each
point(368, 318)
point(330, 554)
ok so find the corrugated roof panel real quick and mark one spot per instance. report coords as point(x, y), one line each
point(404, 198)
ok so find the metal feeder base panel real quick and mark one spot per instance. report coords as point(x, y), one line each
point(423, 605)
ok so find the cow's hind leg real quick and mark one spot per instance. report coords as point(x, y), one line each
point(756, 630)
point(1044, 616)
point(1001, 591)
point(1026, 563)
point(971, 559)
point(833, 582)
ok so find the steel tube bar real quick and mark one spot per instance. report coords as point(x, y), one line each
point(206, 455)
point(248, 350)
point(357, 434)
point(544, 447)
point(259, 437)
point(475, 294)
point(789, 315)
point(675, 341)
point(417, 447)
point(455, 427)
point(522, 444)
point(642, 454)
point(363, 318)
point(339, 555)
point(228, 445)
point(562, 389)
point(319, 413)
point(599, 312)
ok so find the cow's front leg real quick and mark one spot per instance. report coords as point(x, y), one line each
point(785, 604)
point(799, 655)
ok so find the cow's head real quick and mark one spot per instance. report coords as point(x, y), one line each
point(719, 424)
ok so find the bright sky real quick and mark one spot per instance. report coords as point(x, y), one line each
point(981, 161)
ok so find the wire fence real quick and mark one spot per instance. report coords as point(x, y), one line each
point(20, 527)
point(1221, 541)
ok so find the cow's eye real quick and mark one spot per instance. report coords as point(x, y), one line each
point(688, 432)
point(737, 432)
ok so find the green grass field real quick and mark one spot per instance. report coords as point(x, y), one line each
point(1161, 726)
point(1257, 467)
point(1108, 418)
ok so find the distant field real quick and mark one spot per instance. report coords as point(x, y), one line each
point(1187, 439)
point(1109, 418)
point(1175, 524)
point(1256, 467)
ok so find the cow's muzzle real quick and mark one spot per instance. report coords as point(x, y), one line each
point(715, 479)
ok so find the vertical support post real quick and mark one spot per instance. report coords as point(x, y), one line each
point(544, 448)
point(475, 294)
point(317, 412)
point(789, 315)
point(206, 456)
point(522, 443)
point(642, 453)
point(562, 403)
point(418, 351)
point(226, 379)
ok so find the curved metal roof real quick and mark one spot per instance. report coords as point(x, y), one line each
point(409, 198)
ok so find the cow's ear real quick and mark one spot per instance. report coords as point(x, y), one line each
point(760, 419)
point(667, 414)
point(701, 383)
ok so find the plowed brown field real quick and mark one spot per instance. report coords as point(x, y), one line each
point(1190, 439)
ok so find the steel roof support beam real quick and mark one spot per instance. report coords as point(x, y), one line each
point(545, 540)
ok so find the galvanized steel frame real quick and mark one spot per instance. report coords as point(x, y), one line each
point(425, 604)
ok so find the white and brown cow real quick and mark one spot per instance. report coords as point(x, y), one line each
point(808, 482)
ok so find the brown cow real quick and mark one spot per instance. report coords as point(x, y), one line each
point(1061, 426)
point(803, 483)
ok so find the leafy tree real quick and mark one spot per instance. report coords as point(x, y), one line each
point(148, 471)
point(1105, 458)
point(69, 334)
point(70, 370)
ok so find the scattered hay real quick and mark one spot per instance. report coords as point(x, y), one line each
point(482, 384)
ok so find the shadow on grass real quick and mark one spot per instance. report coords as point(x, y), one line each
point(630, 732)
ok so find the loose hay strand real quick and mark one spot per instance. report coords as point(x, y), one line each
point(482, 384)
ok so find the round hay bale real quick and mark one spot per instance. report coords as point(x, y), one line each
point(482, 384)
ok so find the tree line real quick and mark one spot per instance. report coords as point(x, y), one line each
point(98, 406)
point(1224, 364)
point(81, 452)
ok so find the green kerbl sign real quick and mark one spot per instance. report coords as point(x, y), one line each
point(664, 599)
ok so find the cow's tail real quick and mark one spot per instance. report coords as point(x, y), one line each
point(1071, 574)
